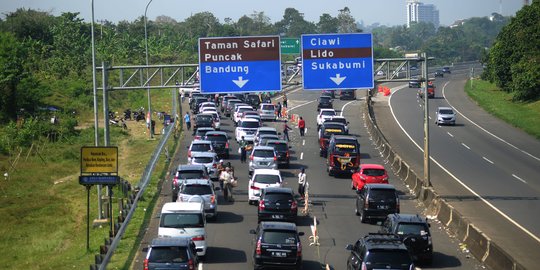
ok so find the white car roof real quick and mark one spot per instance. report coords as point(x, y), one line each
point(172, 207)
point(326, 110)
point(249, 120)
point(444, 108)
point(267, 128)
point(267, 171)
point(203, 154)
point(201, 142)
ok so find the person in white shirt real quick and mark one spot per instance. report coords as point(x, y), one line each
point(302, 182)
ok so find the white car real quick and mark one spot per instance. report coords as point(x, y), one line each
point(240, 111)
point(247, 128)
point(207, 105)
point(265, 130)
point(267, 111)
point(184, 219)
point(262, 178)
point(325, 114)
point(199, 146)
point(445, 116)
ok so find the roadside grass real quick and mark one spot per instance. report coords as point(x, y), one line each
point(525, 116)
point(43, 207)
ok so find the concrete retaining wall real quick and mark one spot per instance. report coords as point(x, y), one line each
point(479, 244)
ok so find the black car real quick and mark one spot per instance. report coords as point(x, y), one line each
point(330, 93)
point(343, 155)
point(446, 70)
point(230, 106)
point(282, 149)
point(379, 251)
point(349, 94)
point(326, 131)
point(277, 244)
point(171, 253)
point(376, 201)
point(201, 132)
point(439, 73)
point(253, 100)
point(277, 203)
point(325, 102)
point(184, 172)
point(220, 142)
point(196, 102)
point(203, 120)
point(413, 230)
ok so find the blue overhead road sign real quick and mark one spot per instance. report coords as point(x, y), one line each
point(240, 64)
point(337, 61)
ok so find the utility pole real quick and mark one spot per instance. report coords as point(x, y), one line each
point(425, 80)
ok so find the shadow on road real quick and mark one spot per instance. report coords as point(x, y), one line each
point(307, 264)
point(441, 260)
point(225, 255)
point(228, 217)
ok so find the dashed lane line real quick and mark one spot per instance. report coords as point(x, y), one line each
point(466, 146)
point(518, 178)
point(486, 159)
point(450, 134)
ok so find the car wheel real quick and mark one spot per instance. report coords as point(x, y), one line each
point(174, 198)
point(363, 217)
point(352, 186)
point(356, 212)
point(330, 173)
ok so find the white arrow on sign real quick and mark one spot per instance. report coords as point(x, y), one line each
point(338, 79)
point(240, 82)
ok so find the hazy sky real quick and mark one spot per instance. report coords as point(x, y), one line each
point(388, 12)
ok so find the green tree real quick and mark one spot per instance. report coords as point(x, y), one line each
point(327, 24)
point(346, 22)
point(293, 24)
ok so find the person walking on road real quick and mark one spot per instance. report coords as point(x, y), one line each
point(284, 100)
point(243, 154)
point(278, 109)
point(187, 119)
point(302, 126)
point(286, 129)
point(227, 177)
point(302, 182)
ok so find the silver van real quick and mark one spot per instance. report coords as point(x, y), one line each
point(262, 157)
point(267, 111)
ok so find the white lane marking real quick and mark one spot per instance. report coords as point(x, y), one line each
point(488, 160)
point(200, 266)
point(429, 117)
point(302, 155)
point(305, 131)
point(290, 92)
point(486, 131)
point(464, 145)
point(304, 141)
point(457, 179)
point(518, 178)
point(344, 106)
point(300, 105)
point(450, 134)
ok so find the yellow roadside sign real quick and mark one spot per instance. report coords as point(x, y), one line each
point(99, 159)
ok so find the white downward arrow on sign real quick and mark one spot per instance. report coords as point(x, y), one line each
point(338, 79)
point(240, 82)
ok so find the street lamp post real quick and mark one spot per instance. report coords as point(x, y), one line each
point(147, 87)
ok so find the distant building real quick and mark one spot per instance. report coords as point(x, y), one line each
point(420, 12)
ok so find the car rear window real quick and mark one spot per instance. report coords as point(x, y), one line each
point(200, 147)
point(279, 146)
point(268, 107)
point(190, 174)
point(392, 256)
point(246, 124)
point(168, 255)
point(346, 147)
point(412, 228)
point(264, 132)
point(266, 178)
point(382, 194)
point(373, 172)
point(333, 130)
point(216, 138)
point(446, 112)
point(181, 220)
point(337, 120)
point(203, 159)
point(328, 113)
point(278, 197)
point(263, 153)
point(204, 118)
point(197, 190)
point(325, 98)
point(241, 110)
point(279, 237)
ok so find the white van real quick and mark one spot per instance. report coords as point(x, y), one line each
point(180, 219)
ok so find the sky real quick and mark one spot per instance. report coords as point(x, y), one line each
point(386, 12)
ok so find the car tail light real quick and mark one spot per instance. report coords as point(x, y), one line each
point(197, 137)
point(397, 205)
point(294, 206)
point(214, 165)
point(213, 199)
point(298, 249)
point(364, 266)
point(198, 238)
point(258, 248)
point(227, 145)
point(191, 264)
point(250, 157)
point(254, 187)
point(275, 158)
point(261, 205)
point(145, 264)
point(189, 153)
point(287, 154)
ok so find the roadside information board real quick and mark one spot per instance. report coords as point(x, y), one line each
point(99, 159)
point(290, 46)
point(337, 61)
point(240, 64)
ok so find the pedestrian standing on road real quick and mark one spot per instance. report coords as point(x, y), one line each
point(302, 126)
point(284, 100)
point(187, 119)
point(302, 181)
point(220, 169)
point(286, 129)
point(278, 109)
point(226, 178)
point(182, 95)
point(243, 154)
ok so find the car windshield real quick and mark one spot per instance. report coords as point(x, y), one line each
point(190, 174)
point(200, 147)
point(168, 255)
point(246, 124)
point(387, 195)
point(278, 197)
point(446, 112)
point(268, 107)
point(263, 153)
point(279, 237)
point(197, 190)
point(412, 228)
point(203, 159)
point(279, 146)
point(216, 138)
point(265, 132)
point(204, 118)
point(328, 113)
point(181, 220)
point(267, 178)
point(373, 172)
point(325, 99)
point(391, 256)
point(242, 109)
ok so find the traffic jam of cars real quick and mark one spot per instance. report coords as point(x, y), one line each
point(205, 178)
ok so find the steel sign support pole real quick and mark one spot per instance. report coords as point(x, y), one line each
point(148, 87)
point(425, 79)
point(88, 218)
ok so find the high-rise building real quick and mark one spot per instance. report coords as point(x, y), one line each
point(420, 12)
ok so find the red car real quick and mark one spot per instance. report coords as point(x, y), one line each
point(369, 174)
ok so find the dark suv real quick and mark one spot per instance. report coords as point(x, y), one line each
point(349, 94)
point(413, 230)
point(184, 172)
point(282, 150)
point(277, 203)
point(379, 251)
point(220, 142)
point(277, 244)
point(171, 253)
point(376, 201)
point(343, 155)
point(326, 131)
point(325, 102)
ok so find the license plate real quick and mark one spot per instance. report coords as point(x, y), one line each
point(277, 216)
point(382, 207)
point(279, 254)
point(263, 163)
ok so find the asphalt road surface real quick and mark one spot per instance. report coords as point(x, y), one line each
point(231, 245)
point(484, 167)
